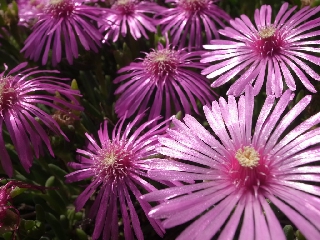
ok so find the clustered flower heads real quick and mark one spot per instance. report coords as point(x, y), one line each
point(164, 76)
point(226, 171)
point(20, 90)
point(266, 50)
point(117, 167)
point(237, 172)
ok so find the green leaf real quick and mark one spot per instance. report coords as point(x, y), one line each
point(64, 220)
point(81, 234)
point(3, 5)
point(300, 235)
point(7, 236)
point(56, 226)
point(57, 171)
point(74, 85)
point(17, 191)
point(31, 229)
point(40, 213)
point(50, 181)
point(54, 202)
point(288, 231)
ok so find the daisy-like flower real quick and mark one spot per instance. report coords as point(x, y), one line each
point(266, 50)
point(163, 76)
point(23, 120)
point(116, 166)
point(132, 14)
point(60, 27)
point(189, 18)
point(238, 172)
point(29, 10)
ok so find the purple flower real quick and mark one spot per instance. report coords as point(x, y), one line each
point(116, 166)
point(132, 14)
point(189, 18)
point(29, 10)
point(164, 78)
point(60, 27)
point(20, 115)
point(239, 172)
point(273, 50)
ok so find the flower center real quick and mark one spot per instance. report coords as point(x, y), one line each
point(247, 157)
point(113, 162)
point(192, 6)
point(60, 8)
point(124, 6)
point(249, 171)
point(161, 63)
point(267, 32)
point(269, 42)
point(8, 95)
point(35, 3)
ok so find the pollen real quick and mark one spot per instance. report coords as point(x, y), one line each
point(267, 32)
point(8, 95)
point(53, 2)
point(269, 42)
point(161, 62)
point(247, 157)
point(193, 6)
point(113, 162)
point(125, 6)
point(110, 159)
point(60, 8)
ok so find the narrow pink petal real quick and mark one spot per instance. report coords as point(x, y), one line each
point(232, 225)
point(307, 229)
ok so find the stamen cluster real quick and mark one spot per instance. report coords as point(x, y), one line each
point(126, 7)
point(8, 94)
point(161, 62)
point(250, 170)
point(269, 42)
point(193, 6)
point(60, 8)
point(112, 163)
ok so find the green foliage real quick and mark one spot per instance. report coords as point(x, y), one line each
point(288, 231)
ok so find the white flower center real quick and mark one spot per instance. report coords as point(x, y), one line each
point(266, 32)
point(110, 159)
point(53, 2)
point(247, 157)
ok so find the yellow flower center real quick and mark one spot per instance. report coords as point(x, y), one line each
point(247, 157)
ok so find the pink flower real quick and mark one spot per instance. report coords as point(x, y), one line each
point(189, 18)
point(267, 50)
point(19, 95)
point(60, 26)
point(116, 166)
point(164, 79)
point(29, 10)
point(132, 14)
point(238, 172)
